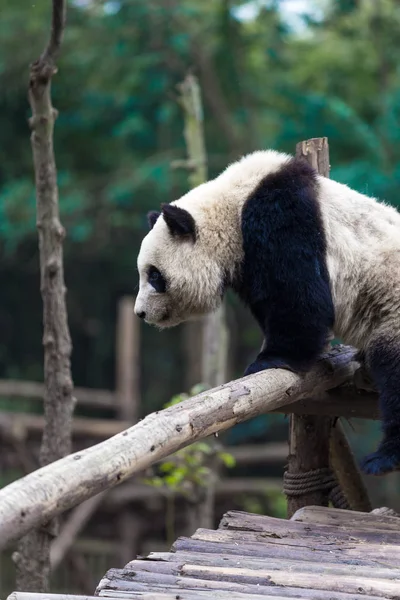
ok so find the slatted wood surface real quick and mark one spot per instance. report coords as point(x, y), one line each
point(320, 554)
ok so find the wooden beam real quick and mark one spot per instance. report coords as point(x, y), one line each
point(346, 470)
point(49, 491)
point(127, 360)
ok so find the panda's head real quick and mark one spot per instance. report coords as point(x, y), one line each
point(180, 276)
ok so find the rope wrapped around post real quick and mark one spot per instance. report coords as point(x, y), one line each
point(318, 480)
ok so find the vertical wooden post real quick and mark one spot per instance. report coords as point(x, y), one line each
point(128, 397)
point(314, 446)
point(127, 360)
point(309, 435)
point(346, 470)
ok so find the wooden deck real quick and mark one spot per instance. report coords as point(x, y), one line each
point(320, 554)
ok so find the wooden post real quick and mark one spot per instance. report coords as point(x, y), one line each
point(346, 470)
point(313, 444)
point(309, 435)
point(128, 398)
point(127, 360)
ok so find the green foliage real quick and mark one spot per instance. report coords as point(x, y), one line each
point(187, 469)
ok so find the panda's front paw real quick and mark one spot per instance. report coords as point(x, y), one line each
point(262, 364)
point(385, 460)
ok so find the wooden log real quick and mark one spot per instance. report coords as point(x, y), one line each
point(293, 557)
point(37, 596)
point(348, 518)
point(182, 561)
point(155, 595)
point(268, 526)
point(287, 578)
point(309, 435)
point(127, 361)
point(355, 552)
point(39, 496)
point(267, 583)
point(308, 451)
point(347, 471)
point(128, 396)
point(366, 541)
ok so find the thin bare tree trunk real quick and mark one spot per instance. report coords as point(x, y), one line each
point(213, 335)
point(33, 555)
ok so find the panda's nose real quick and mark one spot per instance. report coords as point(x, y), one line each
point(141, 314)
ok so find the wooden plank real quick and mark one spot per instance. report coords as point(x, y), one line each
point(329, 554)
point(337, 583)
point(127, 370)
point(243, 522)
point(327, 551)
point(348, 518)
point(183, 594)
point(233, 583)
point(347, 471)
point(183, 560)
point(127, 360)
point(38, 596)
point(316, 536)
point(180, 594)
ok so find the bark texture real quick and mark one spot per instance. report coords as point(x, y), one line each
point(33, 555)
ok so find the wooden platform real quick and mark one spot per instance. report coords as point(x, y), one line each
point(320, 554)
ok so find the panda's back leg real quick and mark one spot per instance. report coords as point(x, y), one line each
point(383, 360)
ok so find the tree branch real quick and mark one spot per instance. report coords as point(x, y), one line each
point(40, 496)
point(58, 20)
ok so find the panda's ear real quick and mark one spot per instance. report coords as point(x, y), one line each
point(180, 222)
point(152, 217)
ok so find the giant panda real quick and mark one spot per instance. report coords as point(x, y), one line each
point(308, 255)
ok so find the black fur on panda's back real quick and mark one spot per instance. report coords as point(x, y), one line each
point(283, 277)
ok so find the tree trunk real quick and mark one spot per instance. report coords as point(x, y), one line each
point(33, 555)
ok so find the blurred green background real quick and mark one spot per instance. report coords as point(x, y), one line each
point(272, 73)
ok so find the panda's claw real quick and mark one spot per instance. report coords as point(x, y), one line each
point(385, 460)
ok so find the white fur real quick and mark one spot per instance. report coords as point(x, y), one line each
point(363, 252)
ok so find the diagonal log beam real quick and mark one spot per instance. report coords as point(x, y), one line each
point(49, 491)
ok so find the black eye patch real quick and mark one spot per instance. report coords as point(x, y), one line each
point(156, 280)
